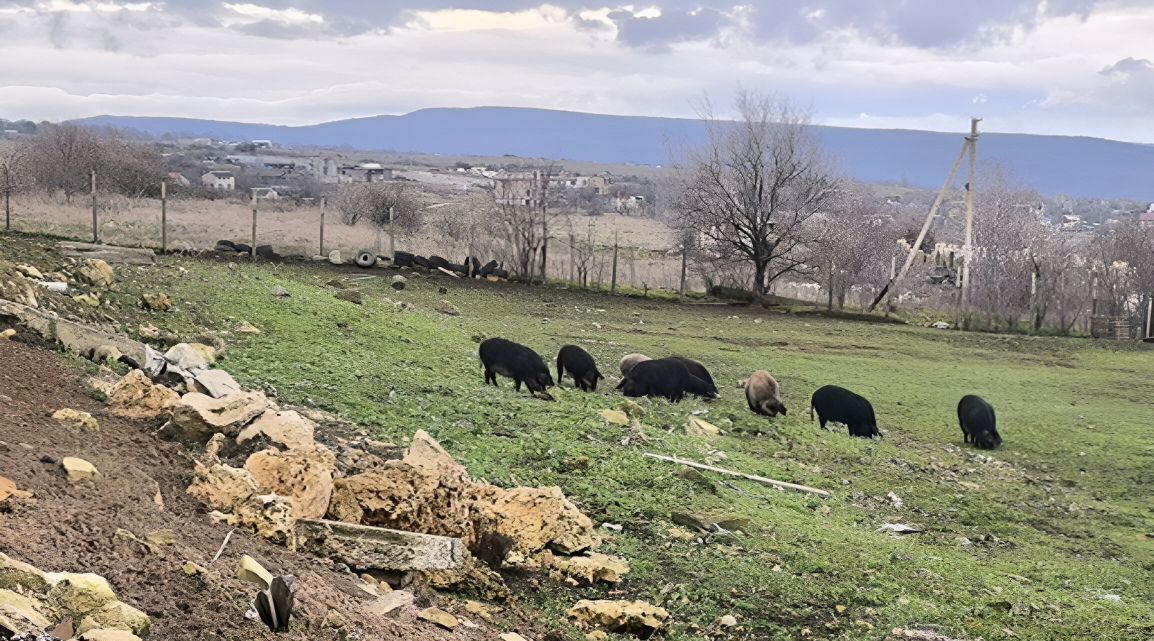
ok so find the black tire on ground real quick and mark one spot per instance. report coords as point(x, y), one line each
point(226, 243)
point(242, 248)
point(365, 258)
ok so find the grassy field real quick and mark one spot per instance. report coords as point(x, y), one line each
point(1049, 537)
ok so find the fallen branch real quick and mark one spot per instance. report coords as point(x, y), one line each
point(750, 477)
point(222, 545)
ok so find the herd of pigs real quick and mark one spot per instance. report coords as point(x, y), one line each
point(675, 377)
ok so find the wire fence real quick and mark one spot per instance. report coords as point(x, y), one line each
point(617, 253)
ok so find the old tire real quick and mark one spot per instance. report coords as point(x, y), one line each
point(365, 258)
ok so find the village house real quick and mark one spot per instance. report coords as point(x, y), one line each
point(367, 172)
point(524, 187)
point(222, 180)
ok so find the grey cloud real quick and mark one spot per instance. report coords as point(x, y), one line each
point(672, 26)
point(1128, 67)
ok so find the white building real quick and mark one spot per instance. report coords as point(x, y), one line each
point(222, 180)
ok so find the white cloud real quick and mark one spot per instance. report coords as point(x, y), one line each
point(290, 64)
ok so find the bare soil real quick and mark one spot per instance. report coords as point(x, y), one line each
point(73, 526)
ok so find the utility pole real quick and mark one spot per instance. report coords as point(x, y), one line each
point(885, 292)
point(613, 283)
point(252, 249)
point(95, 220)
point(392, 240)
point(163, 215)
point(323, 226)
point(972, 141)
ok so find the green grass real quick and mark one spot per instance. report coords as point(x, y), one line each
point(1026, 544)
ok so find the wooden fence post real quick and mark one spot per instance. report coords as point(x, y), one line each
point(95, 219)
point(252, 248)
point(684, 256)
point(323, 226)
point(392, 240)
point(163, 215)
point(613, 283)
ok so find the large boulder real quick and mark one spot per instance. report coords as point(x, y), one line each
point(287, 428)
point(134, 396)
point(305, 474)
point(196, 417)
point(96, 272)
point(537, 518)
point(216, 383)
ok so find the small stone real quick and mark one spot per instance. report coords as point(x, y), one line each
point(148, 330)
point(161, 537)
point(7, 334)
point(247, 328)
point(30, 272)
point(698, 427)
point(512, 636)
point(637, 617)
point(78, 469)
point(108, 635)
point(97, 273)
point(191, 356)
point(280, 292)
point(632, 409)
point(76, 420)
point(727, 621)
point(334, 620)
point(479, 609)
point(351, 296)
point(336, 258)
point(597, 635)
point(250, 570)
point(155, 302)
point(447, 308)
point(90, 300)
point(192, 569)
point(439, 617)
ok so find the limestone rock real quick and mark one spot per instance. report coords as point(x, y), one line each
point(19, 290)
point(280, 292)
point(220, 486)
point(248, 569)
point(190, 356)
point(473, 578)
point(700, 428)
point(79, 594)
point(78, 469)
point(387, 603)
point(148, 330)
point(120, 616)
point(727, 621)
point(155, 302)
point(615, 417)
point(350, 296)
point(134, 396)
point(76, 420)
point(108, 635)
point(336, 258)
point(287, 428)
point(17, 575)
point(637, 617)
point(247, 328)
point(586, 569)
point(632, 408)
point(267, 515)
point(538, 518)
point(193, 569)
point(439, 617)
point(305, 474)
point(512, 636)
point(19, 613)
point(91, 300)
point(447, 308)
point(216, 383)
point(7, 334)
point(196, 417)
point(97, 273)
point(30, 272)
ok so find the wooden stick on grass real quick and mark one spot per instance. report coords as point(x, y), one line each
point(751, 477)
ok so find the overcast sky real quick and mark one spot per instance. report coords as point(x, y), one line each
point(1080, 67)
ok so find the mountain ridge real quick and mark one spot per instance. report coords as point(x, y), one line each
point(1052, 164)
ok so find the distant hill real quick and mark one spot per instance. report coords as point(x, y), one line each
point(1074, 166)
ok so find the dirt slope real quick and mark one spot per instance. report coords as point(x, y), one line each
point(73, 527)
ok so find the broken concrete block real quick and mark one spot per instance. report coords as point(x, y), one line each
point(288, 428)
point(78, 469)
point(217, 383)
point(368, 547)
point(250, 570)
point(196, 417)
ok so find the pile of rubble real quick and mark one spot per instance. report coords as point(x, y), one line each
point(85, 604)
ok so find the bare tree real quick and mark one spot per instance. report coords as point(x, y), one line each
point(752, 189)
point(381, 204)
point(523, 204)
point(1007, 229)
point(852, 242)
point(13, 175)
point(129, 168)
point(62, 157)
